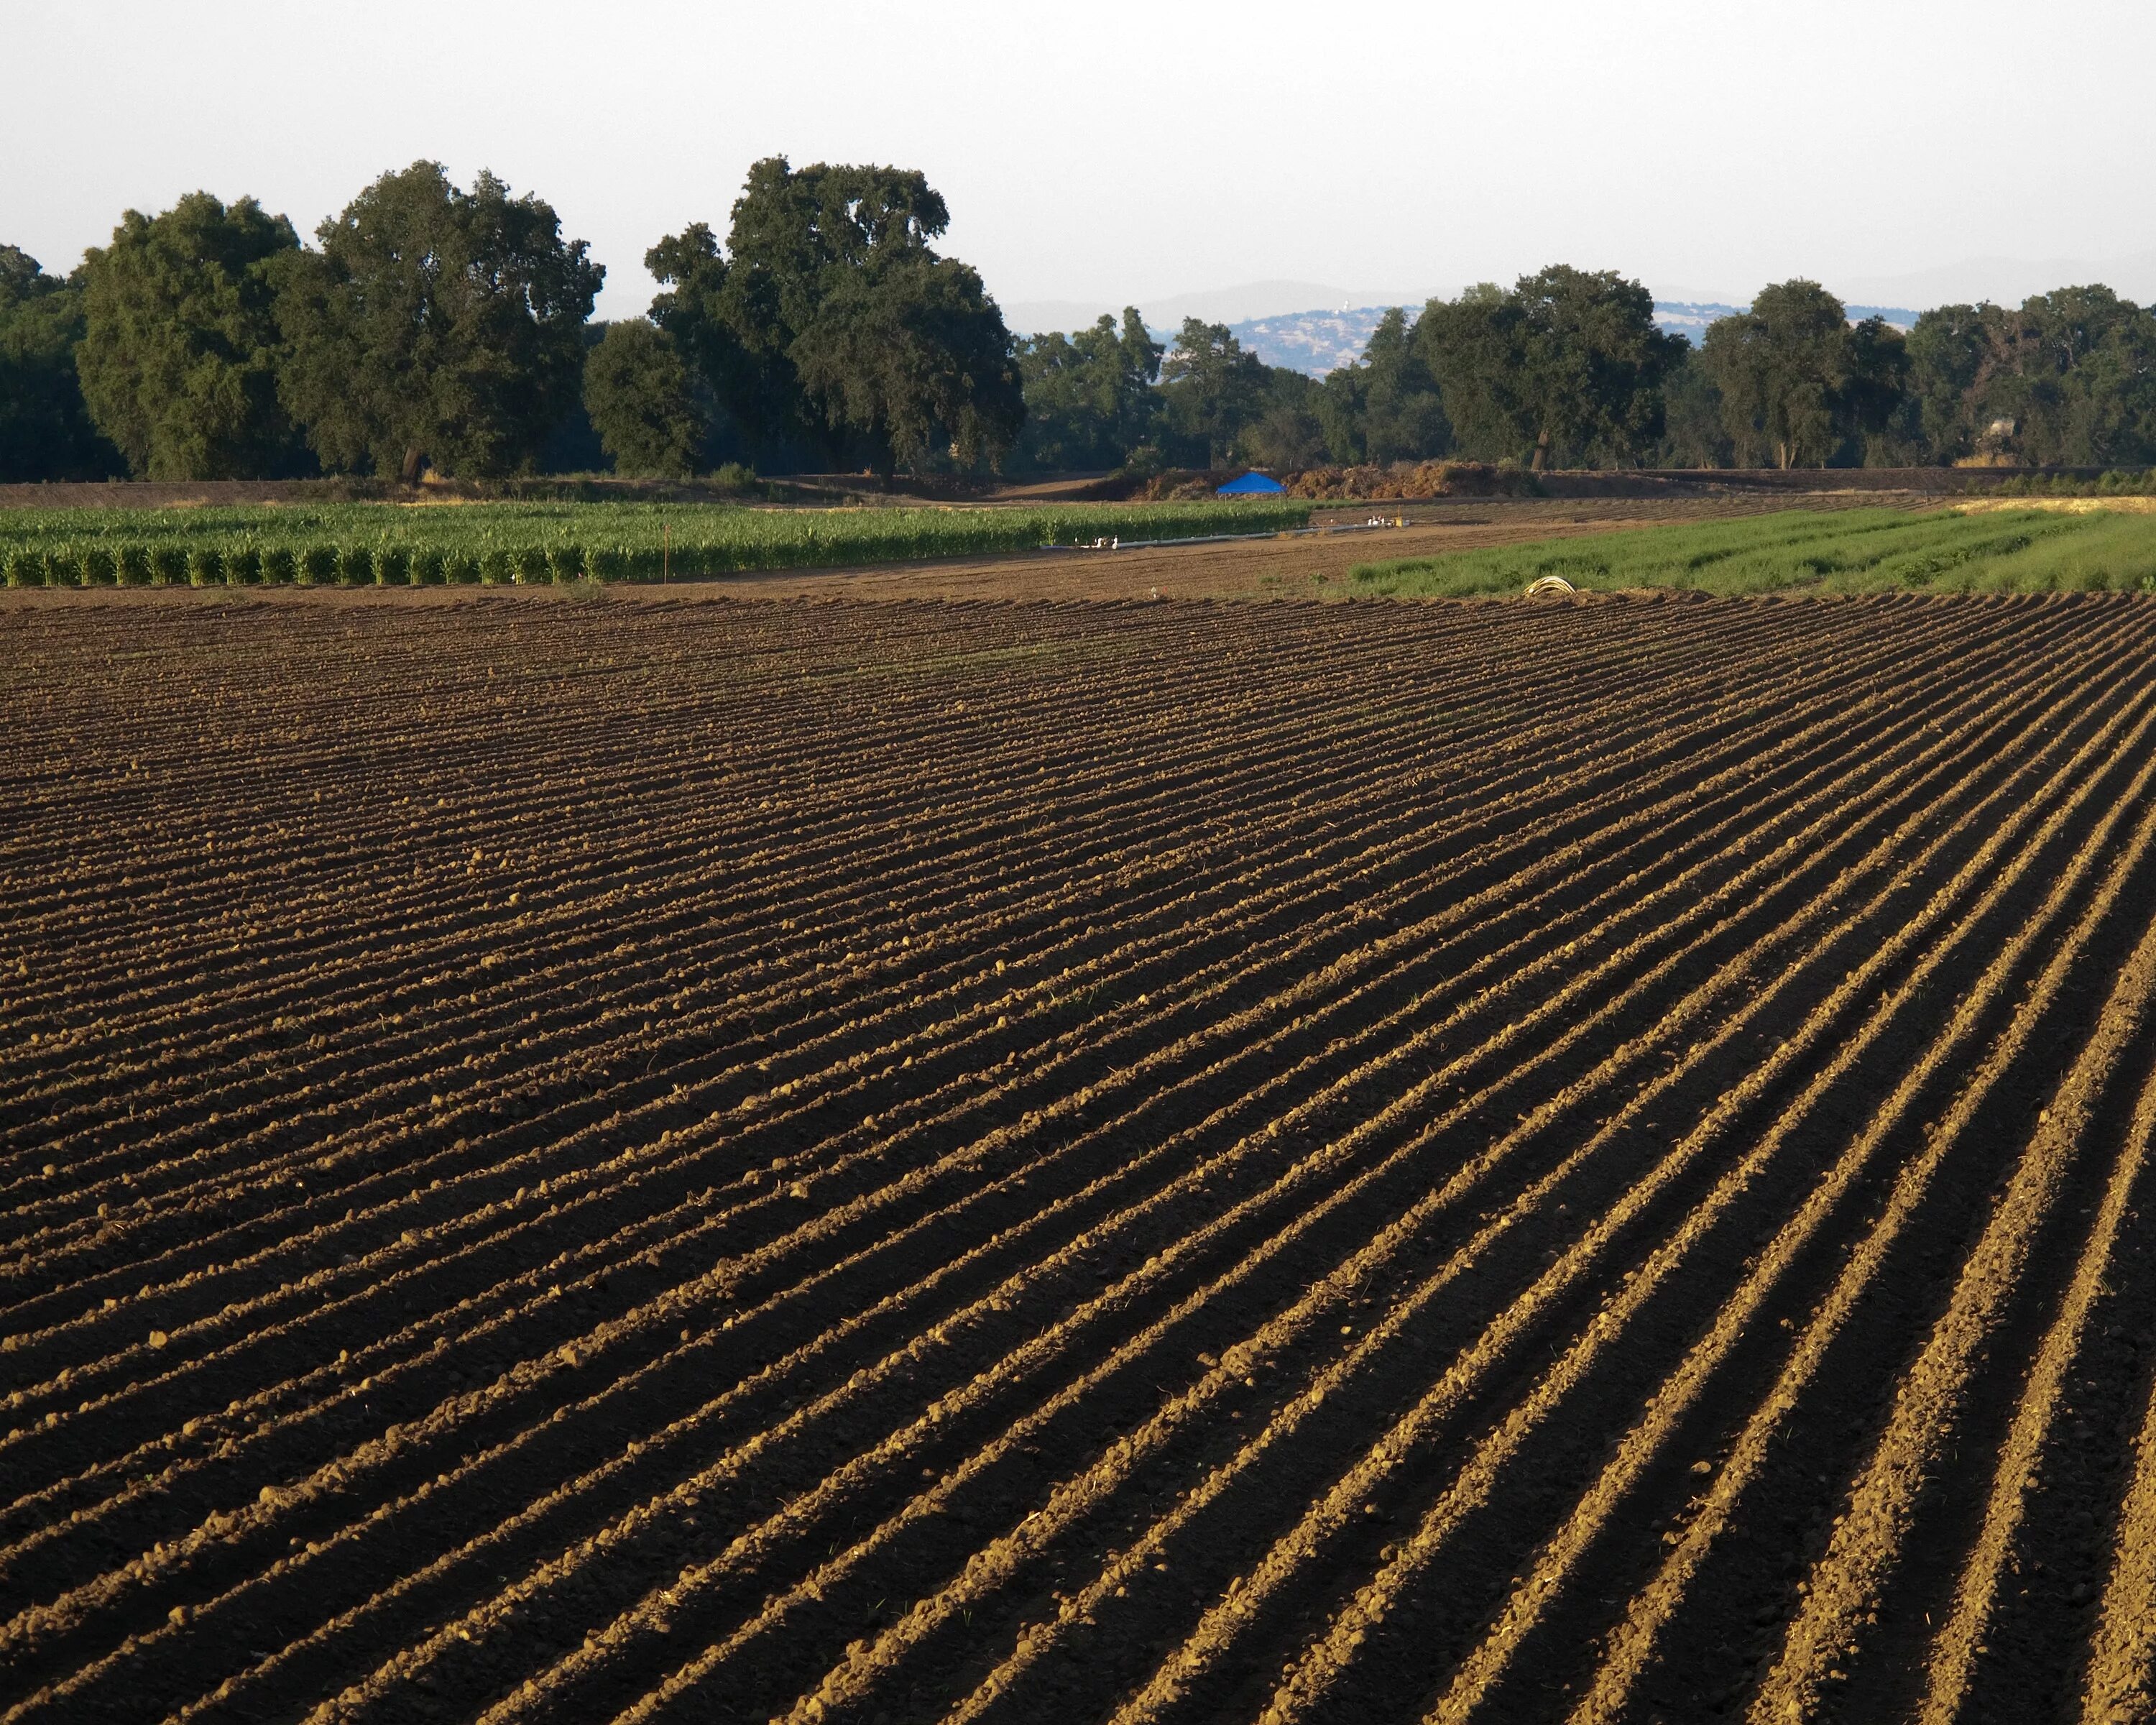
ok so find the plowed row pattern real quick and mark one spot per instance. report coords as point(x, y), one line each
point(745, 1161)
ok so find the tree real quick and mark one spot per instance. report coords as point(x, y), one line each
point(1404, 412)
point(830, 325)
point(1874, 402)
point(1089, 399)
point(1799, 386)
point(1386, 407)
point(45, 428)
point(2110, 399)
point(1693, 435)
point(1474, 347)
point(752, 398)
point(1780, 368)
point(1952, 350)
point(436, 327)
point(1288, 432)
point(911, 358)
point(642, 403)
point(179, 349)
point(1212, 389)
point(1567, 367)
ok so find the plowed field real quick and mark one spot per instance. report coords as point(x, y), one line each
point(723, 1160)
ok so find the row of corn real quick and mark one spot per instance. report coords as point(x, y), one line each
point(135, 564)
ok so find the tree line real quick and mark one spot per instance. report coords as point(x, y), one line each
point(1566, 368)
point(432, 326)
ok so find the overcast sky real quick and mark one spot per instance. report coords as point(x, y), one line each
point(1117, 151)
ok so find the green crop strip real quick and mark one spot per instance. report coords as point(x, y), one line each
point(390, 545)
point(1861, 550)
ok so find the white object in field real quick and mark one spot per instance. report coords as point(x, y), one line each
point(1548, 584)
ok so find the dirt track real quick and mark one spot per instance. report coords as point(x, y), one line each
point(706, 1160)
point(1295, 567)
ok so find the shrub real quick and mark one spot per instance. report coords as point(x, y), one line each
point(132, 564)
point(168, 566)
point(97, 567)
point(356, 566)
point(243, 565)
point(392, 566)
point(280, 566)
point(318, 566)
point(565, 562)
point(495, 566)
point(205, 566)
point(460, 568)
point(428, 564)
point(531, 565)
point(606, 562)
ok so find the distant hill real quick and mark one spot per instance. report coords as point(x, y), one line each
point(1319, 342)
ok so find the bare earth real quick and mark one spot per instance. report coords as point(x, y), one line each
point(1166, 1164)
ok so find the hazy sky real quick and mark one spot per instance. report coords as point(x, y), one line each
point(1119, 150)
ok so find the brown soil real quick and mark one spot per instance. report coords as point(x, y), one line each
point(689, 1158)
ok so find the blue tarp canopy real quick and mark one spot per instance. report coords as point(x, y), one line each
point(1251, 485)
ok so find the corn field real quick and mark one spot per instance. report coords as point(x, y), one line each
point(388, 545)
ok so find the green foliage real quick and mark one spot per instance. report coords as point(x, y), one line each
point(909, 358)
point(1387, 406)
point(1289, 431)
point(1855, 551)
point(179, 344)
point(1693, 432)
point(45, 428)
point(832, 327)
point(363, 544)
point(1090, 398)
point(2068, 378)
point(1565, 367)
point(1799, 386)
point(1213, 390)
point(643, 404)
point(436, 327)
